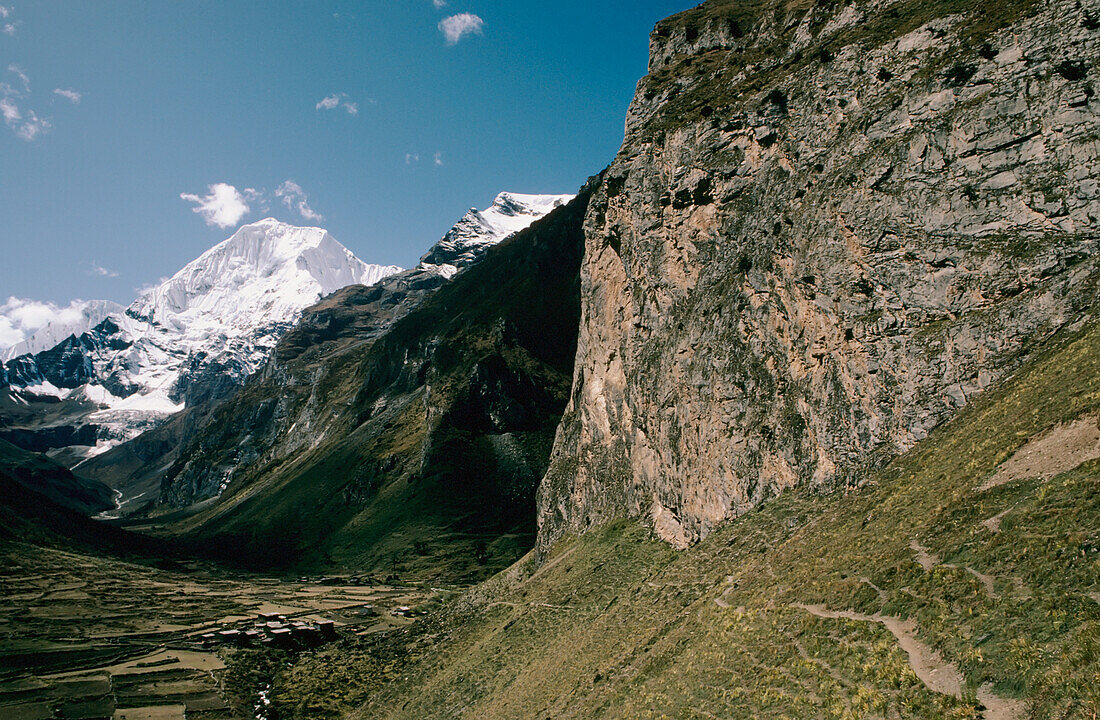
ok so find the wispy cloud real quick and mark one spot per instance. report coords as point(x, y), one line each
point(149, 287)
point(456, 27)
point(411, 158)
point(339, 100)
point(222, 207)
point(24, 123)
point(439, 4)
point(22, 75)
point(8, 28)
point(438, 159)
point(295, 199)
point(100, 271)
point(71, 95)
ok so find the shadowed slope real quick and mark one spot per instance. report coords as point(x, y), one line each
point(416, 451)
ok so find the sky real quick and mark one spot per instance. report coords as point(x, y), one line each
point(139, 133)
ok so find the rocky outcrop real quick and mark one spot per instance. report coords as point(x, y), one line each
point(828, 228)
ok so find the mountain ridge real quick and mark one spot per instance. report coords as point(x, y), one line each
point(197, 335)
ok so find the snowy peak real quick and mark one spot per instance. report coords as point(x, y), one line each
point(197, 334)
point(478, 230)
point(265, 272)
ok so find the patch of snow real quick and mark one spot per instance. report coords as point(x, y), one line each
point(478, 230)
point(45, 388)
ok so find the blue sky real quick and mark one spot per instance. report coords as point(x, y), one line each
point(113, 109)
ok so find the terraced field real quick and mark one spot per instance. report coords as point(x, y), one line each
point(88, 637)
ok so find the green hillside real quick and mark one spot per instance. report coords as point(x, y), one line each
point(616, 624)
point(42, 475)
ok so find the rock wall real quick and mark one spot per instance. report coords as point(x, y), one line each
point(828, 228)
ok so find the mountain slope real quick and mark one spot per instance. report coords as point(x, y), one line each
point(45, 477)
point(332, 328)
point(399, 427)
point(840, 282)
point(479, 230)
point(76, 319)
point(1001, 582)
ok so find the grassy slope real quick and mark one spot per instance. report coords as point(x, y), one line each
point(618, 625)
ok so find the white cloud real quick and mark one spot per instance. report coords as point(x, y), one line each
point(295, 198)
point(223, 207)
point(439, 4)
point(8, 28)
point(9, 110)
point(143, 290)
point(24, 123)
point(411, 158)
point(456, 27)
point(97, 269)
point(339, 100)
point(22, 75)
point(21, 318)
point(71, 95)
point(26, 126)
point(438, 159)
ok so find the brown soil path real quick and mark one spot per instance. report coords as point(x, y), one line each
point(1053, 453)
point(936, 674)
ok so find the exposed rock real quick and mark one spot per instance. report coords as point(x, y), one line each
point(821, 238)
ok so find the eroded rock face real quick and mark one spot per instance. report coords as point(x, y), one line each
point(815, 246)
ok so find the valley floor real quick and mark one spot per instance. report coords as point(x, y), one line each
point(90, 637)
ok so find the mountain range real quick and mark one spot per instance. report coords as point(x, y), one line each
point(196, 336)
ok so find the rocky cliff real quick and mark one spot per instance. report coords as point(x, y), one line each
point(828, 228)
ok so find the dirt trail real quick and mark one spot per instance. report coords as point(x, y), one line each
point(553, 562)
point(936, 674)
point(882, 594)
point(999, 708)
point(985, 580)
point(1059, 450)
point(930, 668)
point(993, 524)
point(926, 559)
point(928, 562)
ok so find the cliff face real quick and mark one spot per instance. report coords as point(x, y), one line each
point(828, 228)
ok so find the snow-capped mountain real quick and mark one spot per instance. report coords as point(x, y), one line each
point(197, 334)
point(477, 231)
point(202, 332)
point(59, 323)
